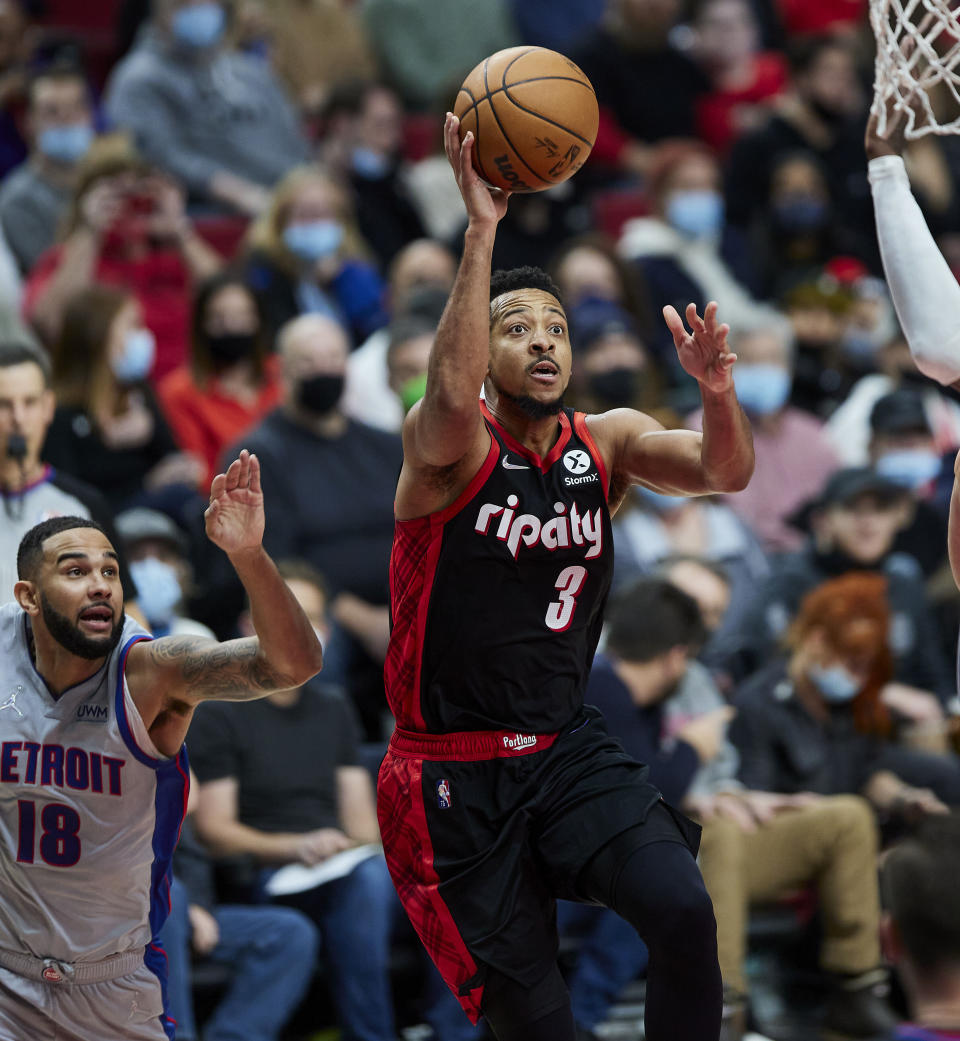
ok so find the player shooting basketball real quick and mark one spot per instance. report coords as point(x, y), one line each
point(500, 791)
point(93, 772)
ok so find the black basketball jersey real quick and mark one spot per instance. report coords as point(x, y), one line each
point(498, 599)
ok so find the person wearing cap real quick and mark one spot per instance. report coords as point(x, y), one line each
point(903, 449)
point(30, 489)
point(159, 564)
point(851, 525)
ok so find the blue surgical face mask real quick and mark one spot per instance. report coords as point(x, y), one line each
point(136, 361)
point(370, 164)
point(158, 590)
point(835, 683)
point(761, 389)
point(199, 25)
point(66, 144)
point(658, 501)
point(313, 240)
point(911, 468)
point(698, 214)
point(800, 213)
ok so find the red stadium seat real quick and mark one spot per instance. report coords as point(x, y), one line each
point(611, 209)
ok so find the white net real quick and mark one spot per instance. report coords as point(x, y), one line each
point(918, 52)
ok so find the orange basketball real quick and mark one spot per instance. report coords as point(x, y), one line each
point(534, 117)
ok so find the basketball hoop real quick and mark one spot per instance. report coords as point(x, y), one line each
point(906, 72)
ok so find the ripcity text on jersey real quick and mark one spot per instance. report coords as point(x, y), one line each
point(497, 600)
point(90, 811)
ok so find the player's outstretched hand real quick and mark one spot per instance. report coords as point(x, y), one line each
point(234, 518)
point(483, 202)
point(703, 351)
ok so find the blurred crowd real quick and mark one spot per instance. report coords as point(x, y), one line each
point(230, 223)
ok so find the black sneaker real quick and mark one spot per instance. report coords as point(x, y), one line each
point(859, 1008)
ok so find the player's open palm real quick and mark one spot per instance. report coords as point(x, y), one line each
point(483, 203)
point(703, 351)
point(234, 518)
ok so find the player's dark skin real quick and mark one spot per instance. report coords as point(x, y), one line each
point(519, 346)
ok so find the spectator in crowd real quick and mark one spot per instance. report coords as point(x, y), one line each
point(612, 366)
point(794, 455)
point(270, 952)
point(920, 929)
point(158, 551)
point(744, 78)
point(306, 256)
point(418, 283)
point(285, 785)
point(108, 428)
point(232, 379)
point(588, 267)
point(408, 354)
point(684, 249)
point(756, 846)
point(31, 489)
point(852, 526)
point(629, 58)
point(363, 141)
point(559, 25)
point(825, 114)
point(18, 40)
point(903, 449)
point(345, 531)
point(214, 118)
point(426, 48)
point(819, 720)
point(127, 227)
point(35, 197)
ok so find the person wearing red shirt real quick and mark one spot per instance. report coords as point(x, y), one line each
point(230, 383)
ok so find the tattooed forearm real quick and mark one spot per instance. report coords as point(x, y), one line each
point(232, 671)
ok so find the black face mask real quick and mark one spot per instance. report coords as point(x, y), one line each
point(320, 394)
point(615, 387)
point(231, 347)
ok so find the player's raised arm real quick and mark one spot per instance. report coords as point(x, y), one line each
point(447, 423)
point(924, 290)
point(173, 674)
point(684, 462)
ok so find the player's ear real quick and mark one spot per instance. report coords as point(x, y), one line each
point(27, 596)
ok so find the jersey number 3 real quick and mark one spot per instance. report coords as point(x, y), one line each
point(569, 583)
point(59, 840)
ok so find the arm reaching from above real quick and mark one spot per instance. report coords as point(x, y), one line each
point(925, 292)
point(169, 677)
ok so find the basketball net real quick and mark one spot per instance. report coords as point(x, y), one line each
point(905, 76)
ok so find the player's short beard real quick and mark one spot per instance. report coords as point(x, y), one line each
point(532, 408)
point(71, 639)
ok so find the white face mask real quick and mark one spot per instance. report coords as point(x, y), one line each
point(136, 359)
point(158, 589)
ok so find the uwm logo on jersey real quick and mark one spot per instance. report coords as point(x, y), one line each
point(575, 528)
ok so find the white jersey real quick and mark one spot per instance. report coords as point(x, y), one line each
point(90, 811)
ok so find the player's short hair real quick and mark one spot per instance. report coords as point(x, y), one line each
point(652, 617)
point(19, 353)
point(918, 886)
point(509, 281)
point(30, 551)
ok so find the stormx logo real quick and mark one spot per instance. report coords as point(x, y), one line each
point(92, 714)
point(578, 462)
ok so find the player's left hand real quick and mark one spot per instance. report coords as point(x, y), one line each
point(234, 518)
point(703, 352)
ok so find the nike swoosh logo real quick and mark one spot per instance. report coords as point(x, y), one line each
point(507, 465)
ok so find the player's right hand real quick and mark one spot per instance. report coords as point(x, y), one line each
point(484, 204)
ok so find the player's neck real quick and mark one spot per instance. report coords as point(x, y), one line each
point(58, 668)
point(537, 434)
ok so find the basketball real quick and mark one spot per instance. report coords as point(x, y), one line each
point(534, 118)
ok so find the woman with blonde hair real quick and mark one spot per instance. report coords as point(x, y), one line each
point(305, 255)
point(108, 429)
point(126, 227)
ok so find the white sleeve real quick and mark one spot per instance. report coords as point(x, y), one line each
point(925, 292)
